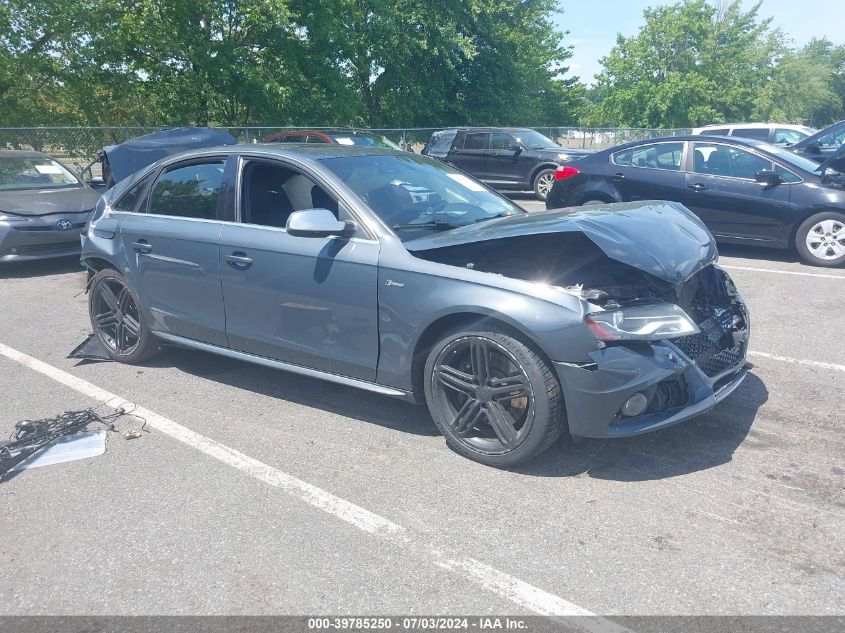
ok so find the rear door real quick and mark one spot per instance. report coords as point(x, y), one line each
point(648, 172)
point(721, 189)
point(304, 300)
point(470, 154)
point(172, 250)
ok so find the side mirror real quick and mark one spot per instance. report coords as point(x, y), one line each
point(813, 148)
point(516, 148)
point(768, 178)
point(318, 223)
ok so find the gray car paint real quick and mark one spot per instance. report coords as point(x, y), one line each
point(39, 237)
point(361, 311)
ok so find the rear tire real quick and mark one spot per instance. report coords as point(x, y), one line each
point(494, 399)
point(543, 183)
point(820, 240)
point(118, 320)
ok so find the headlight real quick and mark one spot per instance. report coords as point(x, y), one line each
point(641, 323)
point(12, 218)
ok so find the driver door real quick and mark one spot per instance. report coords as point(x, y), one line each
point(308, 301)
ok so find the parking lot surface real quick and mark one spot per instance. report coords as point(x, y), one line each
point(253, 491)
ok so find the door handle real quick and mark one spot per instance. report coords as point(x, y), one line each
point(239, 260)
point(619, 177)
point(697, 186)
point(142, 246)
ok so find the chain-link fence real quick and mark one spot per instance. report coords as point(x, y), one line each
point(80, 145)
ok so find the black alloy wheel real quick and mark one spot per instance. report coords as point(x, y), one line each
point(117, 319)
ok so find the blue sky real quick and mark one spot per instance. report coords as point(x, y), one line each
point(593, 24)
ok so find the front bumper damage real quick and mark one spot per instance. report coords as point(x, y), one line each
point(679, 379)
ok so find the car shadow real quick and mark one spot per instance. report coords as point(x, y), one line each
point(350, 402)
point(699, 444)
point(40, 268)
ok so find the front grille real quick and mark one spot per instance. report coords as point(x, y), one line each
point(46, 249)
point(42, 228)
point(713, 351)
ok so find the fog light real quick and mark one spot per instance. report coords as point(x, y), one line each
point(634, 405)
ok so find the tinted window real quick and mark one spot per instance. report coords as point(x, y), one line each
point(475, 141)
point(718, 132)
point(271, 192)
point(188, 192)
point(721, 160)
point(759, 133)
point(130, 199)
point(408, 190)
point(657, 156)
point(783, 135)
point(498, 140)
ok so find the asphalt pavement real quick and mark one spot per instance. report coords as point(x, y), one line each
point(252, 491)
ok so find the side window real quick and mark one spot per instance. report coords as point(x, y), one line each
point(758, 133)
point(272, 191)
point(721, 160)
point(499, 140)
point(787, 136)
point(188, 192)
point(623, 158)
point(476, 140)
point(723, 131)
point(132, 196)
point(657, 156)
point(787, 175)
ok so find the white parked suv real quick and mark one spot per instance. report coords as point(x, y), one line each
point(776, 133)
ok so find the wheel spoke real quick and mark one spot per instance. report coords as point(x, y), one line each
point(819, 250)
point(119, 336)
point(455, 379)
point(480, 359)
point(510, 387)
point(502, 424)
point(131, 326)
point(106, 319)
point(108, 296)
point(467, 416)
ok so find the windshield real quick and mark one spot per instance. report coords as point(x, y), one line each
point(793, 159)
point(367, 140)
point(533, 140)
point(33, 172)
point(416, 196)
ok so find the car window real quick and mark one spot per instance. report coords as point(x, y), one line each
point(722, 131)
point(132, 196)
point(476, 141)
point(500, 140)
point(188, 192)
point(758, 133)
point(782, 135)
point(834, 138)
point(441, 142)
point(270, 192)
point(787, 175)
point(722, 160)
point(656, 156)
point(406, 190)
point(34, 172)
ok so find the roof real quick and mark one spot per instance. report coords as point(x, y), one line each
point(312, 151)
point(789, 126)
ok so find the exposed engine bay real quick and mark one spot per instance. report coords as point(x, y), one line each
point(574, 263)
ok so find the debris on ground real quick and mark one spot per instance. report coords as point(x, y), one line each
point(65, 437)
point(131, 434)
point(91, 349)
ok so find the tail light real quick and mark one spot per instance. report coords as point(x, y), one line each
point(566, 171)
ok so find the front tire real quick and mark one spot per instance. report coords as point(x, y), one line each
point(494, 399)
point(820, 240)
point(543, 183)
point(118, 320)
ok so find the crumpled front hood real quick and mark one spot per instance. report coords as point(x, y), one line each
point(663, 239)
point(34, 202)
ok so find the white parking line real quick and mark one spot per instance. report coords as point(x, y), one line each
point(509, 587)
point(782, 272)
point(798, 361)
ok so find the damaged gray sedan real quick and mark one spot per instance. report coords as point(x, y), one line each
point(401, 275)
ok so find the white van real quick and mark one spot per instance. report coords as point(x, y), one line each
point(782, 134)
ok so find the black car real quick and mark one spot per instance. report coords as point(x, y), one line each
point(821, 145)
point(504, 158)
point(745, 191)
